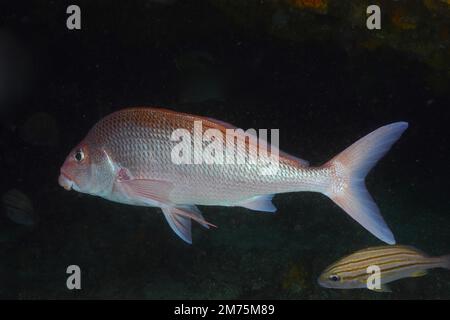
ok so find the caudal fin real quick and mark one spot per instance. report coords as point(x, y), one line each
point(445, 261)
point(350, 168)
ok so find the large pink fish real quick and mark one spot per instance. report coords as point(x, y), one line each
point(126, 157)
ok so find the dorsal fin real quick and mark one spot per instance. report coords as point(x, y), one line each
point(222, 123)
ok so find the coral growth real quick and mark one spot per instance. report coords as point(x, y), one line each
point(402, 20)
point(320, 6)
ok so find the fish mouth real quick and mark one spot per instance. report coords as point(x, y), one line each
point(65, 181)
point(322, 283)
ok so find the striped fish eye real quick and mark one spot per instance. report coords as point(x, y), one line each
point(334, 277)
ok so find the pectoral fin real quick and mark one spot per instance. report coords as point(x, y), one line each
point(156, 193)
point(419, 273)
point(179, 219)
point(146, 190)
point(383, 288)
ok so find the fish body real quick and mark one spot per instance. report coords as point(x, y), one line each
point(127, 157)
point(18, 208)
point(394, 262)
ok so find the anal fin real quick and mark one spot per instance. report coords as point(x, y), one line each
point(383, 288)
point(259, 203)
point(419, 273)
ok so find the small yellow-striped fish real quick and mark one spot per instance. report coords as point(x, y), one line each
point(394, 262)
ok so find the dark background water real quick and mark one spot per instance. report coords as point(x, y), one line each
point(194, 57)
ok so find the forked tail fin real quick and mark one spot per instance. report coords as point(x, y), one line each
point(445, 261)
point(350, 168)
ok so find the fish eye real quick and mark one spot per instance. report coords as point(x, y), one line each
point(334, 278)
point(79, 155)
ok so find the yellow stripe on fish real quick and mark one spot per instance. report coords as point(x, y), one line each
point(393, 262)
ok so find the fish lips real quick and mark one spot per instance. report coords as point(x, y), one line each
point(65, 181)
point(322, 283)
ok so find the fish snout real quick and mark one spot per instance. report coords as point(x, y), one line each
point(321, 282)
point(64, 181)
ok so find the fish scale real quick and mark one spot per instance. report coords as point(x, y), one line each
point(126, 157)
point(238, 182)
